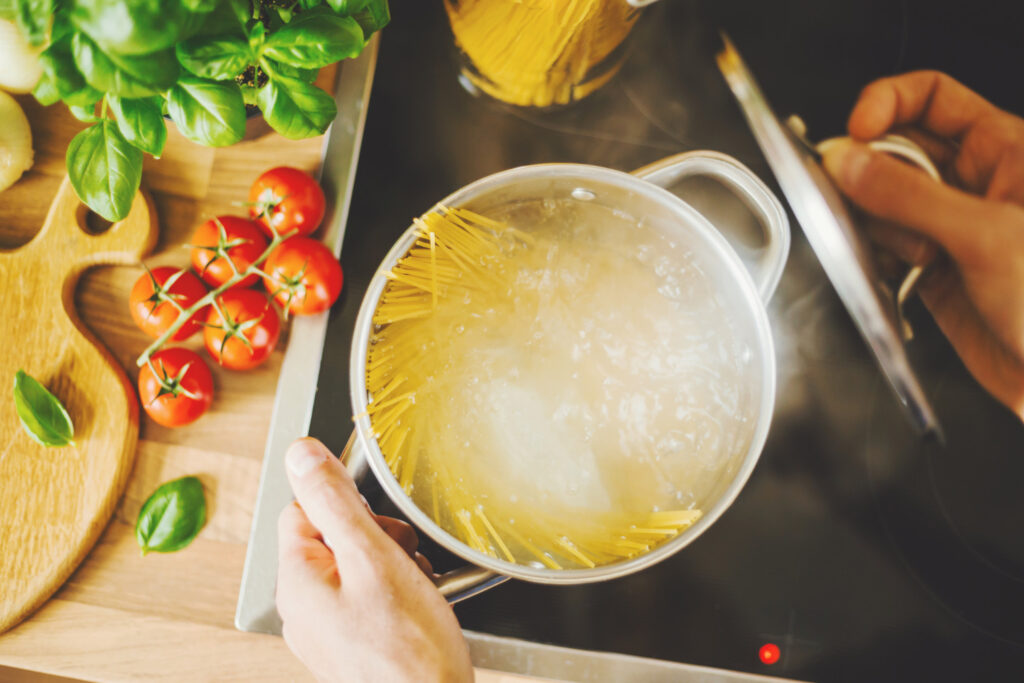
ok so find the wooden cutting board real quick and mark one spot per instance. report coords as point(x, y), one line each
point(135, 606)
point(55, 502)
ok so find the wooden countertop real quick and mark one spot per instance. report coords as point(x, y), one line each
point(122, 616)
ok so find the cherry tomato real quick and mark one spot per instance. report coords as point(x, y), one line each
point(286, 200)
point(247, 333)
point(303, 276)
point(223, 238)
point(150, 301)
point(175, 387)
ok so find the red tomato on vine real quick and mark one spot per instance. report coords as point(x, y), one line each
point(159, 295)
point(287, 201)
point(242, 329)
point(303, 276)
point(225, 240)
point(175, 387)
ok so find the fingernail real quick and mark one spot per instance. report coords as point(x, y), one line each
point(845, 161)
point(304, 455)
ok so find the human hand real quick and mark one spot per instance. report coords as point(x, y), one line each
point(355, 606)
point(976, 289)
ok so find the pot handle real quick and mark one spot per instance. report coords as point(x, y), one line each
point(455, 585)
point(748, 187)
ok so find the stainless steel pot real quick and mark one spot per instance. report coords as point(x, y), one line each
point(641, 194)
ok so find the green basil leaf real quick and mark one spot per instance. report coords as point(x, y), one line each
point(226, 17)
point(124, 75)
point(200, 5)
point(220, 57)
point(84, 97)
point(207, 112)
point(69, 83)
point(257, 36)
point(285, 14)
point(374, 16)
point(104, 169)
point(296, 109)
point(9, 10)
point(33, 18)
point(140, 122)
point(172, 517)
point(62, 26)
point(135, 27)
point(314, 40)
point(42, 415)
point(157, 69)
point(250, 95)
point(45, 91)
point(305, 75)
point(241, 10)
point(85, 113)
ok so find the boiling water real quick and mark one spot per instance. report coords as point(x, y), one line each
point(606, 380)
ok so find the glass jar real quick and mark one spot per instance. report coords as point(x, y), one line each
point(540, 53)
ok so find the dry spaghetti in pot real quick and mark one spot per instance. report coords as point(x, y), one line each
point(463, 264)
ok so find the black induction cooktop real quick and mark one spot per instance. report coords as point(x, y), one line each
point(861, 552)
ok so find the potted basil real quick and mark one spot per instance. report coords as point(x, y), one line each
point(122, 65)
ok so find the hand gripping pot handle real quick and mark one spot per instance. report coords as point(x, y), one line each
point(748, 187)
point(455, 585)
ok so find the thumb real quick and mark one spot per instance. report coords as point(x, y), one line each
point(896, 191)
point(328, 496)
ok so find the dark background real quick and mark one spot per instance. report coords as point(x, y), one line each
point(862, 552)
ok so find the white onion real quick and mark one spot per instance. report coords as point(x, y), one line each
point(15, 141)
point(19, 62)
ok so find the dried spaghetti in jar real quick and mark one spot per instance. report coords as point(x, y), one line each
point(540, 53)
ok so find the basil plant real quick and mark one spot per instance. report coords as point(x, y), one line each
point(123, 65)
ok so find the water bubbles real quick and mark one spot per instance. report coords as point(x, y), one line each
point(670, 289)
point(746, 354)
point(663, 266)
point(643, 252)
point(607, 378)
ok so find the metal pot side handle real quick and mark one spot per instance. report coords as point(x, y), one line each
point(748, 187)
point(455, 585)
point(467, 581)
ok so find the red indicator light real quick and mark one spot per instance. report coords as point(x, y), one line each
point(769, 653)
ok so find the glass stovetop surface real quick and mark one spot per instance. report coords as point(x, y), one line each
point(861, 551)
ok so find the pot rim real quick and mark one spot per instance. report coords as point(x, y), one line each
point(729, 259)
